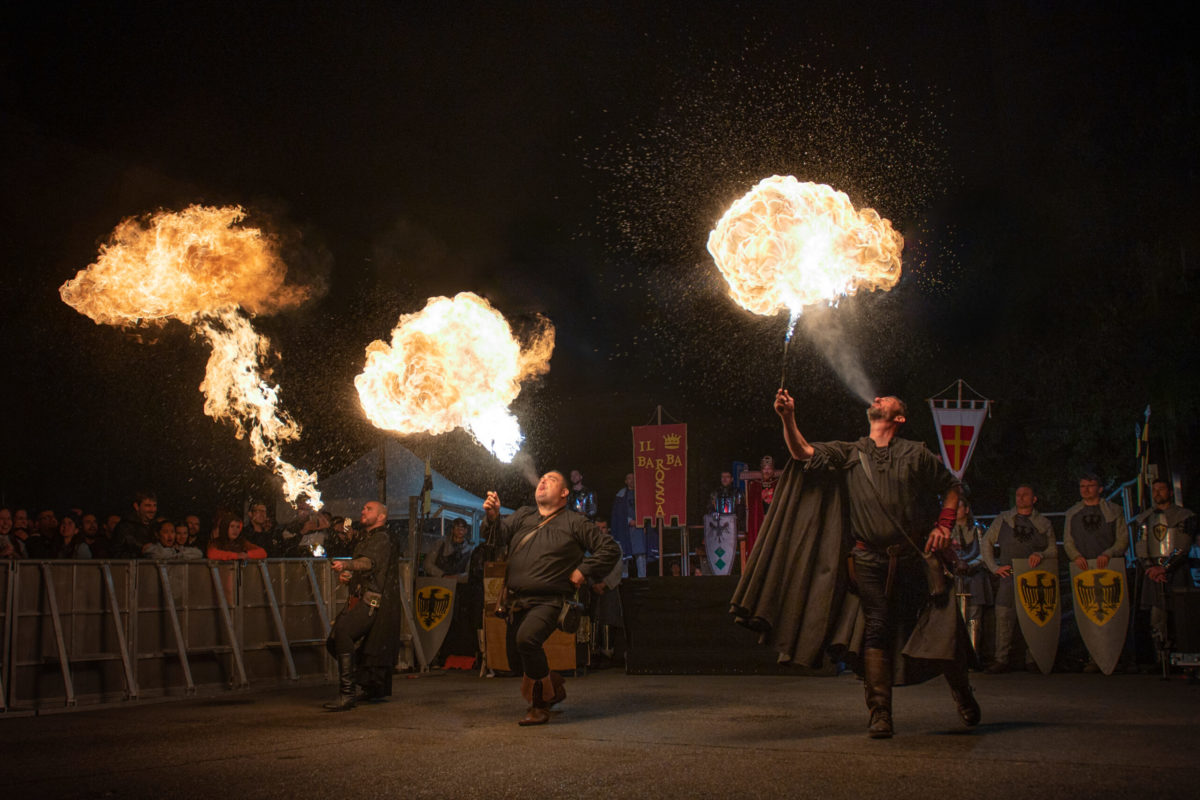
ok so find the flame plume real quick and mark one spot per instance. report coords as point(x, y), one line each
point(788, 244)
point(454, 364)
point(196, 266)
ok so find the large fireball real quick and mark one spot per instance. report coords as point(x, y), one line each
point(454, 364)
point(788, 245)
point(198, 266)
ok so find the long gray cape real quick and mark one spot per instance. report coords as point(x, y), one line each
point(794, 590)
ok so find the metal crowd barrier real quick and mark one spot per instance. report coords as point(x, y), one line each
point(88, 632)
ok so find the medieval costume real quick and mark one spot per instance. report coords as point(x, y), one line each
point(629, 535)
point(367, 631)
point(1093, 531)
point(583, 501)
point(1016, 535)
point(725, 505)
point(839, 568)
point(1165, 538)
point(453, 559)
point(760, 492)
point(543, 552)
point(973, 582)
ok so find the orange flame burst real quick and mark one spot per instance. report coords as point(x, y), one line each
point(788, 244)
point(197, 266)
point(454, 364)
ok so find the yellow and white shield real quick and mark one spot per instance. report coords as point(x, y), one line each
point(1039, 608)
point(1102, 610)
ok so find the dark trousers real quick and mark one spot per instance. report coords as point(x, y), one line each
point(350, 627)
point(881, 610)
point(528, 630)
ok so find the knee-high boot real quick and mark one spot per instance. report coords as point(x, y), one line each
point(877, 679)
point(345, 700)
point(964, 696)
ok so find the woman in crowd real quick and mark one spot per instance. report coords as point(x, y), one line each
point(69, 543)
point(229, 544)
point(164, 544)
point(185, 550)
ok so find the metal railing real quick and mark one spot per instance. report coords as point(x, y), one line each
point(88, 632)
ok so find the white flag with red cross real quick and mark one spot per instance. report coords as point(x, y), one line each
point(958, 421)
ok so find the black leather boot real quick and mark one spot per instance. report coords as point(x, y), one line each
point(345, 700)
point(964, 697)
point(877, 680)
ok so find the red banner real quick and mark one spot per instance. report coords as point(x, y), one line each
point(660, 473)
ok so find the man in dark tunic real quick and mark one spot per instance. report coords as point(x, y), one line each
point(902, 623)
point(370, 616)
point(552, 551)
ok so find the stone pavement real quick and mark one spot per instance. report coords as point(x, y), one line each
point(455, 736)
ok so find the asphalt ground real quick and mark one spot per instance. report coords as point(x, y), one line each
point(618, 735)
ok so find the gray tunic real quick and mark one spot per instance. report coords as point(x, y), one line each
point(1092, 531)
point(1017, 536)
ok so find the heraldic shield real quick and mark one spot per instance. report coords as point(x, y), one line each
point(1102, 610)
point(720, 541)
point(432, 607)
point(1039, 608)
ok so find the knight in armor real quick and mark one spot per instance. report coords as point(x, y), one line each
point(1166, 534)
point(583, 499)
point(1020, 532)
point(726, 499)
point(552, 552)
point(973, 582)
point(1094, 529)
point(366, 634)
point(725, 508)
point(846, 545)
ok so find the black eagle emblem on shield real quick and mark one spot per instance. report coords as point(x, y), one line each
point(433, 603)
point(1039, 595)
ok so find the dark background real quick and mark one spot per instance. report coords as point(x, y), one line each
point(569, 160)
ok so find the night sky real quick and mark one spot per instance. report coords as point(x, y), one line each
point(569, 160)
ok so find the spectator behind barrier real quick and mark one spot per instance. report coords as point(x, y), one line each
point(229, 544)
point(9, 544)
point(164, 545)
point(40, 542)
point(183, 536)
point(68, 542)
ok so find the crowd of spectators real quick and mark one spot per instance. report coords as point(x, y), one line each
point(145, 533)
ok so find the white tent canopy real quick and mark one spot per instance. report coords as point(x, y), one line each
point(345, 492)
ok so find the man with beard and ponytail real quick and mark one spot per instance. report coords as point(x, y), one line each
point(865, 583)
point(552, 552)
point(1020, 532)
point(368, 628)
